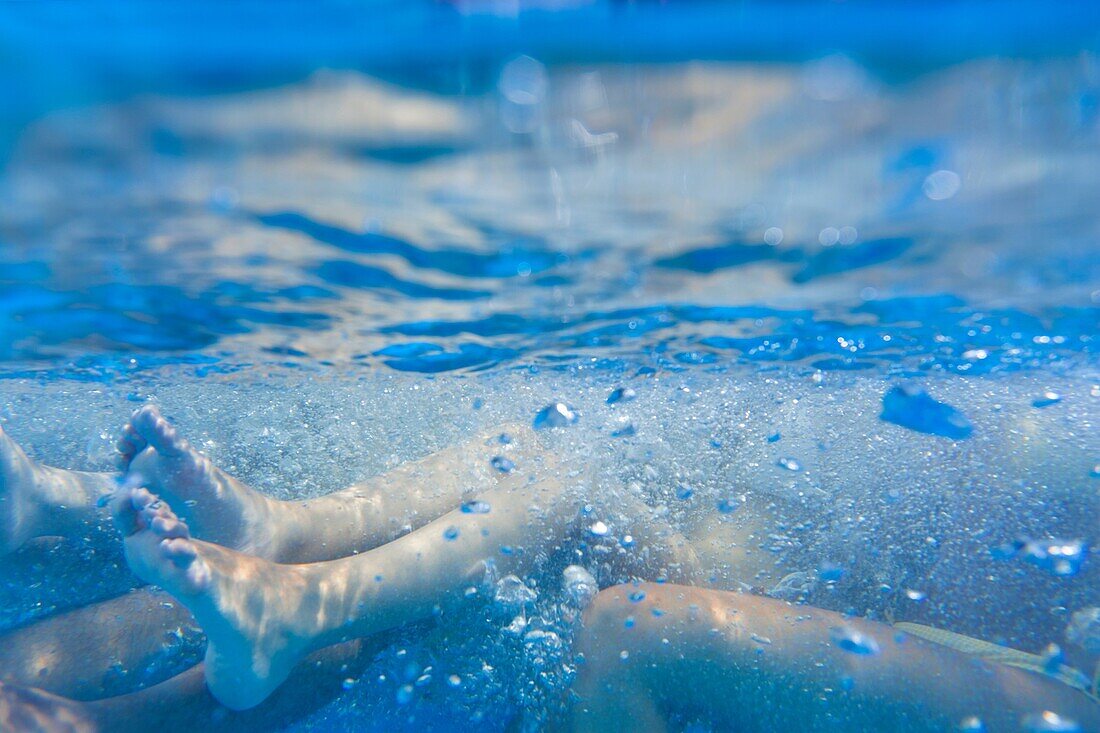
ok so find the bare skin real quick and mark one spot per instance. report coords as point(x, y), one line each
point(692, 654)
point(727, 650)
point(261, 618)
point(223, 510)
point(37, 500)
point(709, 657)
point(357, 519)
point(48, 501)
point(30, 709)
point(685, 653)
point(98, 650)
point(183, 703)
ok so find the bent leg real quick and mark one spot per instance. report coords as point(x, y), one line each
point(95, 650)
point(385, 507)
point(30, 709)
point(748, 663)
point(101, 649)
point(104, 648)
point(182, 703)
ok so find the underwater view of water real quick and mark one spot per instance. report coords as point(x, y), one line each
point(863, 297)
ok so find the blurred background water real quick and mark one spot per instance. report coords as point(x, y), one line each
point(308, 227)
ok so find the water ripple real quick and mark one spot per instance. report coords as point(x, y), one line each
point(367, 277)
point(509, 261)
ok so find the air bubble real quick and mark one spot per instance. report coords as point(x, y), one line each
point(621, 394)
point(579, 585)
point(790, 464)
point(557, 415)
point(853, 641)
point(502, 464)
point(941, 185)
point(599, 529)
point(475, 507)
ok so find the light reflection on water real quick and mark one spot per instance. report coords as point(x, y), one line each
point(737, 216)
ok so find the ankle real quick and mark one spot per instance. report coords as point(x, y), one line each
point(264, 524)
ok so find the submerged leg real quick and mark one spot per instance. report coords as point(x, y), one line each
point(104, 648)
point(95, 650)
point(30, 709)
point(128, 634)
point(741, 662)
point(37, 500)
point(221, 509)
point(182, 703)
point(262, 618)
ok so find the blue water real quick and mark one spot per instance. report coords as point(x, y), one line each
point(867, 288)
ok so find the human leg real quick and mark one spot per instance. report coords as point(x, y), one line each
point(129, 633)
point(261, 618)
point(36, 499)
point(745, 662)
point(223, 510)
point(183, 703)
point(102, 648)
point(30, 709)
point(75, 653)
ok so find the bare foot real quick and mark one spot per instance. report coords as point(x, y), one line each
point(215, 505)
point(20, 478)
point(38, 500)
point(242, 602)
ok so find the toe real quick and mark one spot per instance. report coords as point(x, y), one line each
point(145, 414)
point(158, 432)
point(143, 421)
point(141, 498)
point(129, 445)
point(154, 511)
point(179, 550)
point(169, 527)
point(123, 512)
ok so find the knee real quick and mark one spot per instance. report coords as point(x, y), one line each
point(602, 619)
point(623, 608)
point(609, 603)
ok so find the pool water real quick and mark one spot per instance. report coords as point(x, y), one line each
point(874, 299)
